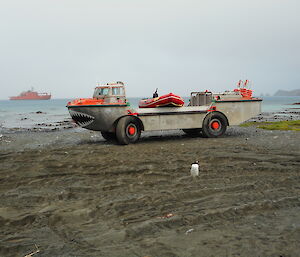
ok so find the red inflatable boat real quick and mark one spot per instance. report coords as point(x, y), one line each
point(168, 100)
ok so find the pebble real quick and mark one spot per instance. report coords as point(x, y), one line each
point(189, 231)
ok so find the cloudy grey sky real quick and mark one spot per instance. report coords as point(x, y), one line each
point(66, 46)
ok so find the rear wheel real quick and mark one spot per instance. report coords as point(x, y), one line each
point(128, 130)
point(214, 125)
point(108, 135)
point(192, 132)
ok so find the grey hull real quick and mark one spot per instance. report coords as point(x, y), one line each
point(97, 118)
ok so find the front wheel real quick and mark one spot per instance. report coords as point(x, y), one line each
point(128, 130)
point(214, 125)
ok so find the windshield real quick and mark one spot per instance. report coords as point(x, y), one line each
point(103, 91)
point(117, 91)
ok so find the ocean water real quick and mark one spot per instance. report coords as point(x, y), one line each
point(279, 103)
point(23, 114)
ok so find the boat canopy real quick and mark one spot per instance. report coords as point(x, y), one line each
point(111, 92)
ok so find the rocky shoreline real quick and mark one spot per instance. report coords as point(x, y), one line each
point(284, 115)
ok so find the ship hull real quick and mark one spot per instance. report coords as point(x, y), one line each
point(45, 97)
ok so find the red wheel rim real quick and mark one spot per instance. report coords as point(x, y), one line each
point(131, 130)
point(215, 125)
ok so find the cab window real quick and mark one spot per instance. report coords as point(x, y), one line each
point(103, 91)
point(117, 91)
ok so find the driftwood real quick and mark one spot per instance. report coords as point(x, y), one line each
point(33, 253)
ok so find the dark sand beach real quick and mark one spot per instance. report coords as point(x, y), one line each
point(73, 194)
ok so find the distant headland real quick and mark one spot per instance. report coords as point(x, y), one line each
point(295, 92)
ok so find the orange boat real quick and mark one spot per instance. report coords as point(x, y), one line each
point(31, 95)
point(167, 100)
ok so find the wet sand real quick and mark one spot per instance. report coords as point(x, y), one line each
point(73, 194)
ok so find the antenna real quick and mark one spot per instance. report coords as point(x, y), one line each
point(239, 83)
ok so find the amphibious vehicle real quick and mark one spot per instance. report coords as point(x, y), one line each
point(207, 113)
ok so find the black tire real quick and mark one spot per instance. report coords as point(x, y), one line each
point(128, 130)
point(109, 136)
point(214, 125)
point(192, 132)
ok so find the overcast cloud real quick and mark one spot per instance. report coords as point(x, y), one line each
point(66, 46)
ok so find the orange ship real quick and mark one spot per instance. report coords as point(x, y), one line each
point(31, 95)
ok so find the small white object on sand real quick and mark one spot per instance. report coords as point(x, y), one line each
point(189, 231)
point(195, 169)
